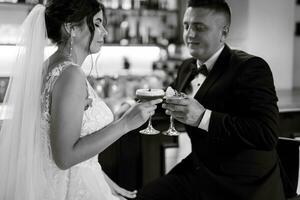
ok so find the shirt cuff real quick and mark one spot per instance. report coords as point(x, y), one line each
point(204, 123)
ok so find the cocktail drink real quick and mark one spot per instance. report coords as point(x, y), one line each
point(173, 94)
point(148, 95)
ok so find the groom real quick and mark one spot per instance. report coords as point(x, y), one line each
point(231, 117)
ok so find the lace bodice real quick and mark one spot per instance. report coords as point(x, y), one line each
point(69, 184)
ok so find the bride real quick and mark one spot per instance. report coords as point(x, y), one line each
point(57, 123)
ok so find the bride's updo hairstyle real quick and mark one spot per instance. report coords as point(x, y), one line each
point(76, 12)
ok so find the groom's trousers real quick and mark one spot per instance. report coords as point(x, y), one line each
point(181, 183)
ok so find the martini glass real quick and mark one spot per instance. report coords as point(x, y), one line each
point(148, 95)
point(172, 130)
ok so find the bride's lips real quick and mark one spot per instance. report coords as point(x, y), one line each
point(100, 42)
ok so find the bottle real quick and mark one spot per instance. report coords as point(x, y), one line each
point(145, 36)
point(120, 4)
point(154, 4)
point(107, 3)
point(114, 4)
point(144, 4)
point(150, 4)
point(136, 4)
point(172, 5)
point(163, 4)
point(124, 30)
point(163, 40)
point(110, 36)
point(110, 26)
point(126, 4)
point(126, 64)
point(137, 38)
point(116, 28)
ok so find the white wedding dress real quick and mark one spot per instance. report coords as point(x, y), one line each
point(84, 181)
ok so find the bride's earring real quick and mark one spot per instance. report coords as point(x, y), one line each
point(71, 42)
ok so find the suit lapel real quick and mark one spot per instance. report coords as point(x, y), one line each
point(221, 64)
point(187, 73)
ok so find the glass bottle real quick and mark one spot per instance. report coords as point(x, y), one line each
point(144, 4)
point(172, 4)
point(114, 4)
point(136, 4)
point(126, 4)
point(124, 30)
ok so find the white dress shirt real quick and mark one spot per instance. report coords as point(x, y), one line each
point(198, 81)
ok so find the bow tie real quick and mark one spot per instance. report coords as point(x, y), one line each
point(201, 70)
point(195, 71)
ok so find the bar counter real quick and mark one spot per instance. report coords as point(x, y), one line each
point(289, 100)
point(289, 112)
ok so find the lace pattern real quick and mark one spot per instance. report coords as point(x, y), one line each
point(71, 184)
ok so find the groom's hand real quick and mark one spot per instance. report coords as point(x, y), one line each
point(186, 110)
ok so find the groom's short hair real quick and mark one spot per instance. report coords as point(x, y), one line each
point(219, 6)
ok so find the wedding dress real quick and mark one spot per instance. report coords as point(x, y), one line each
point(84, 181)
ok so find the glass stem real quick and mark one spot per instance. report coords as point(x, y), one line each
point(171, 122)
point(150, 122)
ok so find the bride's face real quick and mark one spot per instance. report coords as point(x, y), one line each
point(99, 35)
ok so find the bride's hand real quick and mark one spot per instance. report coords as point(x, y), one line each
point(121, 192)
point(138, 114)
point(118, 191)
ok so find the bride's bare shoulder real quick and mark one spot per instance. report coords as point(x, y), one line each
point(71, 78)
point(72, 74)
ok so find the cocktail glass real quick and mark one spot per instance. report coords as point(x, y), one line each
point(172, 130)
point(148, 95)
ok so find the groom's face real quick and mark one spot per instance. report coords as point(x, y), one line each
point(203, 32)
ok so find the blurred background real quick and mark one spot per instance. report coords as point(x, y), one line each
point(144, 49)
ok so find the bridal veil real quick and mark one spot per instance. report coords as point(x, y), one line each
point(21, 163)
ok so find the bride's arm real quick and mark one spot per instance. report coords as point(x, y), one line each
point(117, 190)
point(67, 107)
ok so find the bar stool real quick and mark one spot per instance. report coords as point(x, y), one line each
point(288, 151)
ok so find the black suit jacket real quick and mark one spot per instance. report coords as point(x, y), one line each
point(236, 158)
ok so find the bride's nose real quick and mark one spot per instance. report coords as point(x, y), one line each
point(103, 31)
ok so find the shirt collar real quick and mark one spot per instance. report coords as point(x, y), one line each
point(212, 60)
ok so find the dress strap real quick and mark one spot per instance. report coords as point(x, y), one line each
point(55, 73)
point(89, 89)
